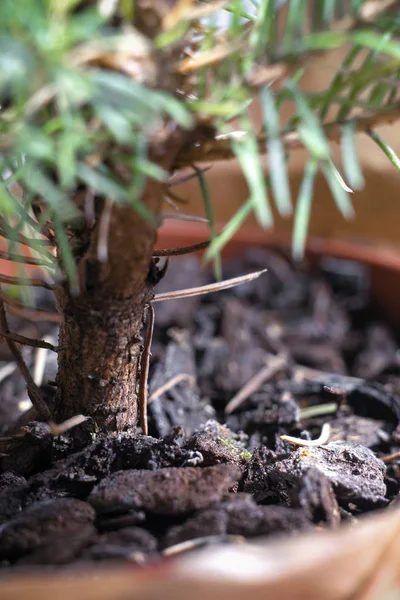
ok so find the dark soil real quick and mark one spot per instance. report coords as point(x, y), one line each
point(304, 350)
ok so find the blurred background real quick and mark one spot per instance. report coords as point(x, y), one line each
point(377, 205)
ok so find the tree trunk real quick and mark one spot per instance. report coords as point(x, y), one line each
point(99, 359)
point(99, 341)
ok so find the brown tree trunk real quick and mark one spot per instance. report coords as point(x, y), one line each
point(98, 359)
point(100, 335)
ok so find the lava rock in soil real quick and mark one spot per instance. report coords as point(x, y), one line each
point(239, 515)
point(32, 452)
point(44, 522)
point(12, 493)
point(170, 491)
point(59, 549)
point(78, 473)
point(240, 338)
point(316, 497)
point(133, 543)
point(217, 444)
point(266, 411)
point(355, 473)
point(112, 523)
point(351, 428)
point(374, 401)
point(145, 452)
point(74, 475)
point(181, 405)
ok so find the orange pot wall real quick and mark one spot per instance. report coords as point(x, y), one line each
point(8, 267)
point(376, 206)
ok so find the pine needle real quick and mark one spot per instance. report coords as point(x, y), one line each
point(210, 288)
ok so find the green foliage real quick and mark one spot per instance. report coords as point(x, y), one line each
point(392, 156)
point(81, 99)
point(208, 208)
point(303, 208)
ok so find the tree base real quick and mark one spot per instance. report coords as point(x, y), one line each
point(99, 358)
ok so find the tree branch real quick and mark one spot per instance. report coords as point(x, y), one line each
point(18, 309)
point(181, 249)
point(27, 260)
point(7, 279)
point(35, 244)
point(221, 148)
point(27, 341)
point(185, 178)
point(183, 217)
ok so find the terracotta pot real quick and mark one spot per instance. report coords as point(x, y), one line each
point(360, 562)
point(10, 268)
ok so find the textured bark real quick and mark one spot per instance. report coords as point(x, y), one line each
point(100, 343)
point(98, 360)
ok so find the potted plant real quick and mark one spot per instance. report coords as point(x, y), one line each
point(107, 105)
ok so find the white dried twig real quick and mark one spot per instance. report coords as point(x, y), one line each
point(321, 441)
point(183, 217)
point(40, 361)
point(170, 384)
point(207, 289)
point(274, 364)
point(202, 541)
point(59, 429)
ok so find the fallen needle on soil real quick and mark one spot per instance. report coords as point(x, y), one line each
point(60, 428)
point(275, 364)
point(390, 457)
point(170, 384)
point(321, 441)
point(195, 543)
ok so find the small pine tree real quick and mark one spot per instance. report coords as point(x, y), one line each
point(103, 100)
